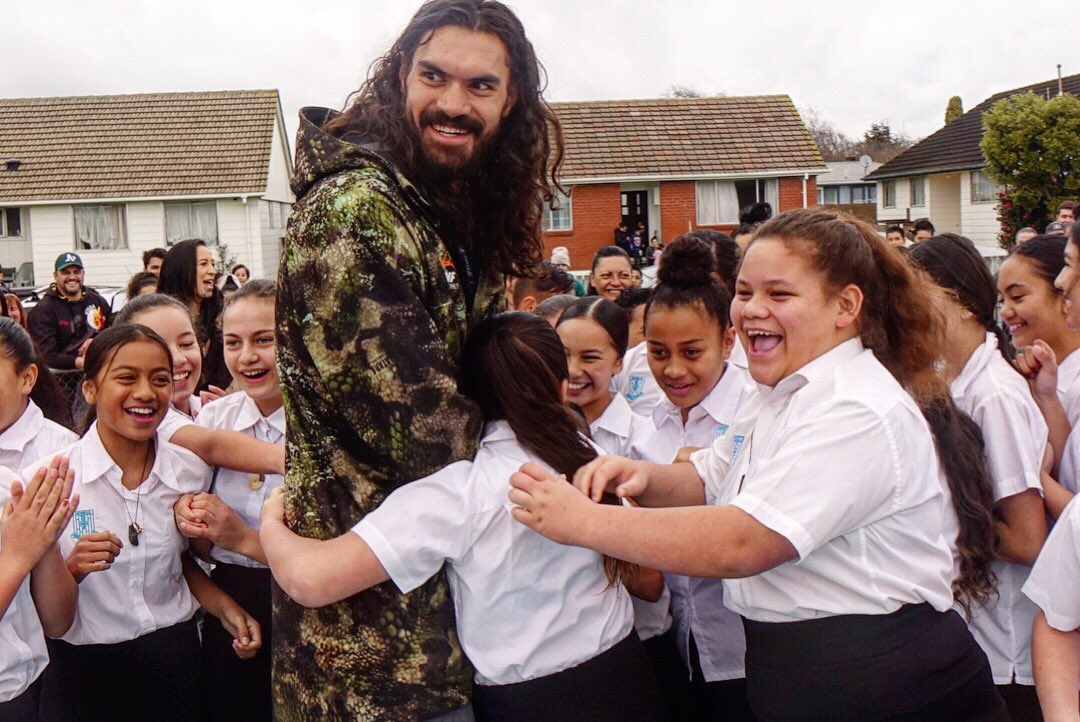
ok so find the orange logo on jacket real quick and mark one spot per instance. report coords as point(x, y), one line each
point(95, 317)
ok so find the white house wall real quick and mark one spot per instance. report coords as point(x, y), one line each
point(943, 198)
point(903, 198)
point(277, 180)
point(978, 221)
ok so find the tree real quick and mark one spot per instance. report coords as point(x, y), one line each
point(881, 143)
point(689, 91)
point(831, 141)
point(1032, 148)
point(954, 109)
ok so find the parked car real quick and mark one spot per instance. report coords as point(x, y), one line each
point(29, 297)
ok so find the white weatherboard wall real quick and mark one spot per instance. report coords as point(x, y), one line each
point(903, 198)
point(943, 197)
point(978, 221)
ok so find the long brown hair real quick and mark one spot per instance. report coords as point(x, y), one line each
point(901, 325)
point(504, 200)
point(515, 366)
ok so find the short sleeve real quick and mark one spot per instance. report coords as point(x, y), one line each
point(1052, 584)
point(1015, 438)
point(422, 525)
point(173, 422)
point(713, 464)
point(832, 474)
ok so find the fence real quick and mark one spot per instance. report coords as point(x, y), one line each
point(70, 382)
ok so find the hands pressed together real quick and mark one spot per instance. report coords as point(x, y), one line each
point(34, 517)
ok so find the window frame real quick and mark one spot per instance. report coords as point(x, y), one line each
point(165, 219)
point(917, 182)
point(123, 217)
point(761, 193)
point(550, 215)
point(995, 188)
point(888, 194)
point(4, 224)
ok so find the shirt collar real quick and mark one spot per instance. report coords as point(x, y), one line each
point(497, 431)
point(96, 462)
point(975, 365)
point(24, 430)
point(720, 404)
point(1068, 370)
point(617, 418)
point(818, 368)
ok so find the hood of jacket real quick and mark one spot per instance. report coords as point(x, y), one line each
point(320, 154)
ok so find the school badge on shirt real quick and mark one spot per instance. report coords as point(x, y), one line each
point(636, 388)
point(82, 523)
point(736, 446)
point(718, 431)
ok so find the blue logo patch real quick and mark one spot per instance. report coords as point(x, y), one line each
point(719, 430)
point(82, 523)
point(636, 389)
point(736, 446)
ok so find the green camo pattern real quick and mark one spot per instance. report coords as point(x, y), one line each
point(370, 328)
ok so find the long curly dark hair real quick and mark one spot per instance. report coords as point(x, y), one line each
point(503, 201)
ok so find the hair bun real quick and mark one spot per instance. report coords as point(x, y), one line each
point(687, 261)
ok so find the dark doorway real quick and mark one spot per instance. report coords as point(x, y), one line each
point(635, 207)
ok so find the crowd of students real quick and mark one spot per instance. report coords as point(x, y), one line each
point(835, 481)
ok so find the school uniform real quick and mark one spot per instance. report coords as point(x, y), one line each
point(132, 651)
point(32, 437)
point(1052, 582)
point(549, 637)
point(1069, 468)
point(615, 430)
point(838, 459)
point(23, 655)
point(175, 419)
point(1068, 386)
point(997, 398)
point(635, 382)
point(231, 683)
point(709, 636)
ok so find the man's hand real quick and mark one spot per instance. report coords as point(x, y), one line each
point(273, 509)
point(33, 519)
point(549, 506)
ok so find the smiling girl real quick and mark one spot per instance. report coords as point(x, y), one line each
point(825, 508)
point(132, 650)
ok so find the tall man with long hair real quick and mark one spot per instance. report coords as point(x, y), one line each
point(412, 204)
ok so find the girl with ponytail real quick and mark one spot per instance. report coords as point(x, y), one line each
point(987, 387)
point(822, 508)
point(539, 621)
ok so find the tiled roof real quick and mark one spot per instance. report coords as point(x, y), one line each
point(126, 146)
point(675, 137)
point(956, 146)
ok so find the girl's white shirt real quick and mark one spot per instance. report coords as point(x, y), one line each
point(635, 382)
point(23, 655)
point(1068, 386)
point(618, 427)
point(838, 459)
point(526, 606)
point(998, 399)
point(238, 412)
point(1052, 584)
point(32, 437)
point(697, 605)
point(144, 590)
point(175, 419)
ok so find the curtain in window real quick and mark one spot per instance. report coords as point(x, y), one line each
point(191, 220)
point(772, 194)
point(717, 202)
point(99, 228)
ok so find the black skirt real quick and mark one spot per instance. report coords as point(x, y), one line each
point(24, 707)
point(231, 683)
point(913, 664)
point(615, 686)
point(153, 677)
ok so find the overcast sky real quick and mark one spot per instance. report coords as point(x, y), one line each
point(854, 62)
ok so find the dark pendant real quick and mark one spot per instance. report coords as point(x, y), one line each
point(134, 530)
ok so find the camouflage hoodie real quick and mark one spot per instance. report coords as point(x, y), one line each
point(371, 322)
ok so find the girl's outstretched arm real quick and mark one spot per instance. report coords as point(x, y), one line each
point(247, 635)
point(231, 449)
point(315, 572)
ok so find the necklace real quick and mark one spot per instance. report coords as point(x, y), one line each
point(134, 530)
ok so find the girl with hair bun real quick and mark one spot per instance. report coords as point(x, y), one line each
point(822, 508)
point(986, 386)
point(688, 340)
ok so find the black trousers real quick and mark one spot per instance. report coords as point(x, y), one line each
point(153, 677)
point(615, 686)
point(24, 707)
point(231, 684)
point(914, 664)
point(1022, 701)
point(671, 674)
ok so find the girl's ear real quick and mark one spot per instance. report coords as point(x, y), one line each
point(729, 340)
point(89, 391)
point(849, 305)
point(28, 379)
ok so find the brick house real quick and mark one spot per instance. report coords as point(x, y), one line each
point(677, 164)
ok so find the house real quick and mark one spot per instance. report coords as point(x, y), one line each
point(844, 184)
point(677, 164)
point(941, 177)
point(113, 176)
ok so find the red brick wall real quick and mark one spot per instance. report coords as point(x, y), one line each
point(678, 209)
point(791, 193)
point(596, 212)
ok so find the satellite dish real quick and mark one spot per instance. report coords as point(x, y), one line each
point(865, 161)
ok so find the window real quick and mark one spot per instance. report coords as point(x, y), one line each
point(918, 191)
point(719, 202)
point(983, 188)
point(191, 220)
point(888, 194)
point(283, 209)
point(100, 228)
point(10, 223)
point(830, 194)
point(561, 218)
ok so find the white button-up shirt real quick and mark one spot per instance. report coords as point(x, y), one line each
point(144, 590)
point(526, 606)
point(1068, 386)
point(32, 437)
point(997, 398)
point(237, 412)
point(697, 605)
point(1053, 583)
point(617, 428)
point(838, 459)
point(635, 382)
point(23, 655)
point(175, 419)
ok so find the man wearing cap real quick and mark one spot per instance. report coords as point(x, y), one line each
point(560, 257)
point(68, 316)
